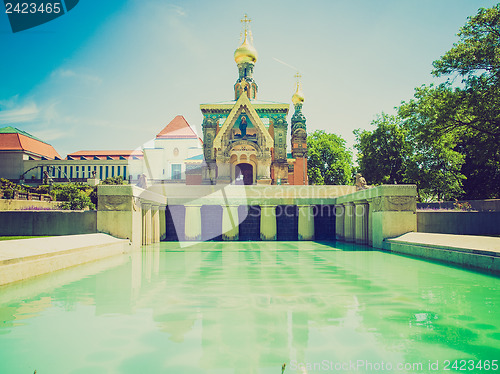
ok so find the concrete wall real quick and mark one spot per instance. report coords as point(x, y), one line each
point(461, 223)
point(47, 223)
point(10, 204)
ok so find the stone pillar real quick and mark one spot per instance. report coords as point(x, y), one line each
point(230, 223)
point(146, 224)
point(370, 222)
point(155, 223)
point(339, 221)
point(268, 222)
point(224, 173)
point(143, 224)
point(120, 211)
point(163, 223)
point(361, 217)
point(193, 222)
point(349, 222)
point(306, 222)
point(391, 212)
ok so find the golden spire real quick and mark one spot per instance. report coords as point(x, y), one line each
point(298, 96)
point(246, 51)
point(246, 23)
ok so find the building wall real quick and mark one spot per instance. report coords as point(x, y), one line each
point(11, 164)
point(299, 172)
point(82, 169)
point(175, 152)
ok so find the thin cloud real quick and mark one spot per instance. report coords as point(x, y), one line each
point(83, 77)
point(19, 115)
point(284, 63)
point(180, 11)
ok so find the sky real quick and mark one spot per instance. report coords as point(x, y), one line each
point(112, 74)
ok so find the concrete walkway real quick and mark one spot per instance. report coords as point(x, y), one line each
point(26, 258)
point(478, 252)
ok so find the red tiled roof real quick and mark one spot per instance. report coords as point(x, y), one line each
point(20, 142)
point(106, 153)
point(178, 128)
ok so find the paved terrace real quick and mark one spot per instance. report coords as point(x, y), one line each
point(476, 252)
point(26, 258)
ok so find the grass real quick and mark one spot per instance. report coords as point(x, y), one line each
point(20, 237)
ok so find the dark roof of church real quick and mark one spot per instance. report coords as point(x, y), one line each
point(103, 155)
point(178, 128)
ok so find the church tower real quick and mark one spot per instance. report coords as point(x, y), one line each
point(245, 139)
point(245, 57)
point(299, 138)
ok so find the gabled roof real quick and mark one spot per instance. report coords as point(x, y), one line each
point(178, 128)
point(15, 130)
point(243, 104)
point(13, 139)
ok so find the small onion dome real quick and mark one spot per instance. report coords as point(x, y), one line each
point(245, 53)
point(298, 96)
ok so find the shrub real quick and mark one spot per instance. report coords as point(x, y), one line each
point(113, 180)
point(73, 196)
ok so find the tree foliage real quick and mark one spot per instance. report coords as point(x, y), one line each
point(473, 116)
point(382, 153)
point(477, 50)
point(113, 180)
point(73, 196)
point(452, 130)
point(328, 159)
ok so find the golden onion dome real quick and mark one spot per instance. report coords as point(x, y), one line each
point(298, 96)
point(245, 53)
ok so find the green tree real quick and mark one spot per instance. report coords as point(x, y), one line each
point(328, 159)
point(73, 196)
point(454, 127)
point(383, 152)
point(434, 161)
point(435, 167)
point(471, 110)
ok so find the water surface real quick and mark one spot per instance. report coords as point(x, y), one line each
point(248, 308)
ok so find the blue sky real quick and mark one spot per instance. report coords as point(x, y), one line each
point(111, 74)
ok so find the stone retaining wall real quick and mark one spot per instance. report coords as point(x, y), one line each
point(47, 223)
point(457, 222)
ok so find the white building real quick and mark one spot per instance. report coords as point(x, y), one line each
point(176, 148)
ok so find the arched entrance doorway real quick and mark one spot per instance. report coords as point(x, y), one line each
point(244, 172)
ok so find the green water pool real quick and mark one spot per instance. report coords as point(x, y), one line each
point(249, 307)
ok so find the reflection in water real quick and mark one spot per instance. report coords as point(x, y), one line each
point(234, 308)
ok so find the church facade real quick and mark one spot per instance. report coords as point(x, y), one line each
point(245, 140)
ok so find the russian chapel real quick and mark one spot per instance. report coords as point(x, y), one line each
point(245, 139)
